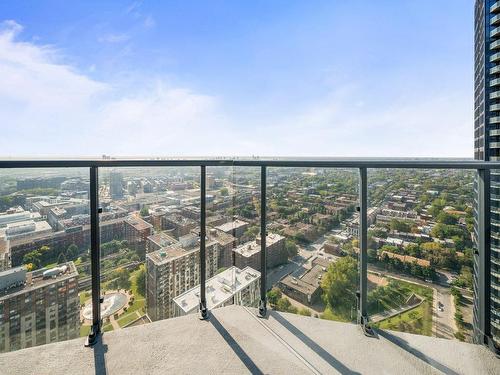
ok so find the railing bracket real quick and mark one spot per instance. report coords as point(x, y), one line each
point(203, 313)
point(366, 327)
point(262, 309)
point(93, 336)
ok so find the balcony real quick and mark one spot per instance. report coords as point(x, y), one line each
point(128, 224)
point(495, 8)
point(495, 32)
point(495, 82)
point(495, 20)
point(233, 341)
point(495, 45)
point(495, 95)
point(495, 69)
point(494, 120)
point(495, 57)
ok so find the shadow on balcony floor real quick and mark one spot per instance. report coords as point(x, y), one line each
point(235, 341)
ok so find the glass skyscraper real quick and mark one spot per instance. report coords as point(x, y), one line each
point(487, 147)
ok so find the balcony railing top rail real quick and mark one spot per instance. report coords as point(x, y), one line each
point(394, 163)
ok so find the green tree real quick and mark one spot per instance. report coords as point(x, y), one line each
point(61, 258)
point(339, 286)
point(72, 252)
point(144, 211)
point(140, 281)
point(33, 257)
point(284, 304)
point(274, 295)
point(400, 225)
point(305, 311)
point(446, 218)
point(224, 192)
point(121, 279)
point(291, 248)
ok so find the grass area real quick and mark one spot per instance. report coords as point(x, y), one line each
point(84, 296)
point(138, 305)
point(125, 319)
point(84, 330)
point(107, 327)
point(417, 320)
point(395, 295)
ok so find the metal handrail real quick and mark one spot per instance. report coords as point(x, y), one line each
point(274, 162)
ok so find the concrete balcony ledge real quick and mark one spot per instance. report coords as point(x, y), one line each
point(235, 341)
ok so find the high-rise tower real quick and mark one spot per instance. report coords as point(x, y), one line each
point(487, 147)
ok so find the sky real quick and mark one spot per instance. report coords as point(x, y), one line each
point(330, 78)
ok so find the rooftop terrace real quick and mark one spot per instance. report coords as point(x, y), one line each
point(235, 341)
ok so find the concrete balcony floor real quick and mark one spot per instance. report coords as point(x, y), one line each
point(235, 341)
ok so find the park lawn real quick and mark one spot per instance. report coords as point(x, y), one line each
point(84, 330)
point(84, 296)
point(395, 295)
point(138, 305)
point(107, 327)
point(417, 320)
point(128, 318)
point(139, 300)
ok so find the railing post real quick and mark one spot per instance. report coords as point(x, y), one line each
point(482, 261)
point(203, 235)
point(263, 237)
point(363, 251)
point(95, 257)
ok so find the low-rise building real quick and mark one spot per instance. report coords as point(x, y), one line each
point(236, 228)
point(136, 232)
point(248, 254)
point(306, 289)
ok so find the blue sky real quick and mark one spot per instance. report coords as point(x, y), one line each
point(287, 78)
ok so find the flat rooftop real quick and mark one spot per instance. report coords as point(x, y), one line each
point(219, 288)
point(299, 284)
point(168, 253)
point(234, 341)
point(37, 279)
point(232, 225)
point(138, 223)
point(250, 248)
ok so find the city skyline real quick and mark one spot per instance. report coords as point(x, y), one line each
point(165, 79)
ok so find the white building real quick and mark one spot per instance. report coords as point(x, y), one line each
point(232, 286)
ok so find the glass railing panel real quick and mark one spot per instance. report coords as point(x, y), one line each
point(44, 238)
point(420, 251)
point(233, 229)
point(149, 232)
point(314, 211)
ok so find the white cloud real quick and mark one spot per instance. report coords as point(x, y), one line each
point(49, 108)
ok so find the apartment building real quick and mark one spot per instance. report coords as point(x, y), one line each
point(232, 286)
point(38, 307)
point(248, 254)
point(171, 271)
